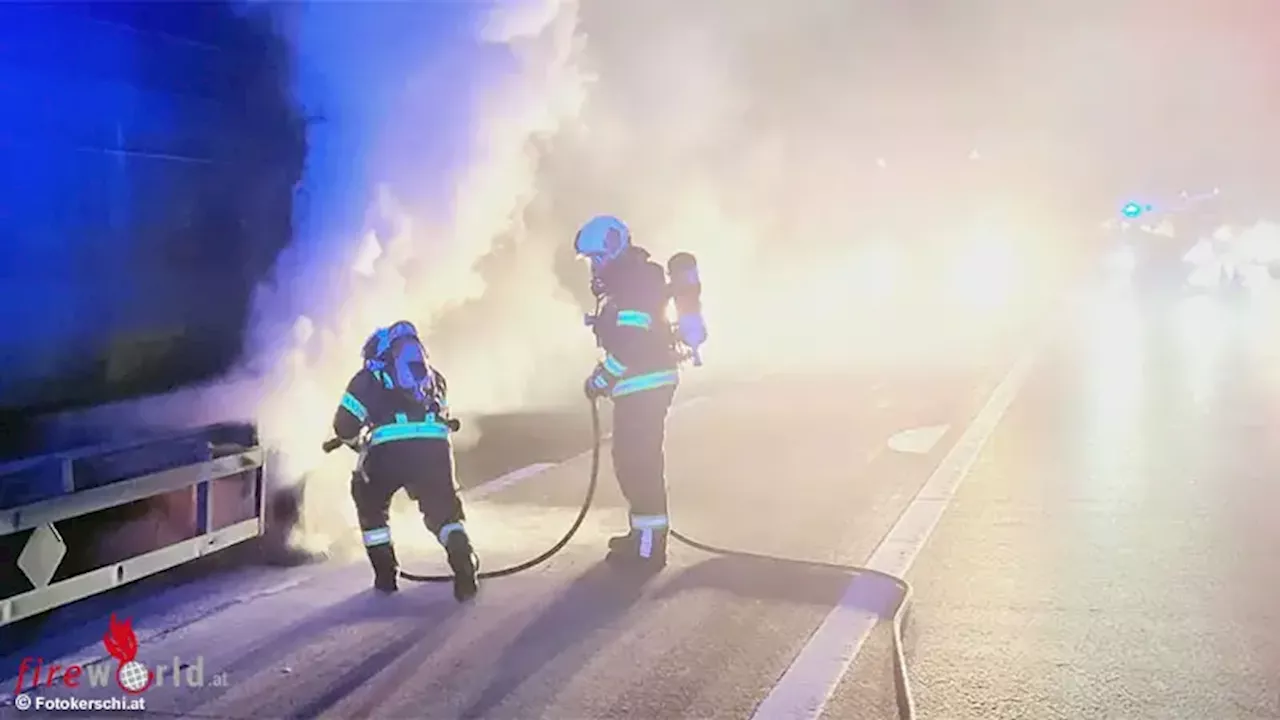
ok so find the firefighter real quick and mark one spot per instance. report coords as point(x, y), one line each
point(395, 414)
point(639, 373)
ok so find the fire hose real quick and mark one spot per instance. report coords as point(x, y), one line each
point(901, 680)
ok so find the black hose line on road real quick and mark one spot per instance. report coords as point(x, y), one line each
point(901, 679)
point(573, 529)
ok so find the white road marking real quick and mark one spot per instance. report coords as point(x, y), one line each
point(918, 441)
point(502, 482)
point(808, 684)
point(516, 477)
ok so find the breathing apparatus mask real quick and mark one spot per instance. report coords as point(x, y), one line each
point(397, 357)
point(601, 240)
point(598, 288)
point(409, 371)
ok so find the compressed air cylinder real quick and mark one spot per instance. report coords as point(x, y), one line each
point(686, 291)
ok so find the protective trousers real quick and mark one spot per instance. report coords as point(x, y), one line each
point(424, 468)
point(639, 461)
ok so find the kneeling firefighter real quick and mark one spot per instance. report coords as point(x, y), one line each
point(396, 415)
point(639, 371)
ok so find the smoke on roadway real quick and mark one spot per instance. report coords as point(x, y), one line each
point(458, 145)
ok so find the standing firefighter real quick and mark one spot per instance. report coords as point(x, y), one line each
point(639, 372)
point(395, 414)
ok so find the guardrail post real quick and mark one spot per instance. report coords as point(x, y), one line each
point(260, 499)
point(204, 507)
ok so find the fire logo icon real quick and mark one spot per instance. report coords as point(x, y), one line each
point(132, 676)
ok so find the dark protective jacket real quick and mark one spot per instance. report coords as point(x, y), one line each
point(632, 328)
point(390, 414)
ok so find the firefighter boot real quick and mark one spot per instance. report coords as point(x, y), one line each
point(463, 562)
point(385, 568)
point(640, 549)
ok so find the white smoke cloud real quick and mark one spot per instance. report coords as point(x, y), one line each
point(432, 118)
point(463, 143)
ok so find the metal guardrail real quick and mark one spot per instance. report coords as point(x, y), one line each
point(44, 549)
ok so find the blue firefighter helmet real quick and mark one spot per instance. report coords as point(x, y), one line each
point(601, 240)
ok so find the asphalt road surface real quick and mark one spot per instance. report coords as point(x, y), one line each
point(797, 466)
point(1109, 554)
point(1116, 553)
